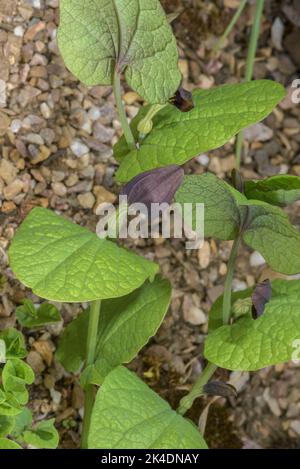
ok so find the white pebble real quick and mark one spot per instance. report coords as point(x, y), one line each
point(256, 259)
point(94, 113)
point(19, 31)
point(203, 159)
point(79, 149)
point(195, 316)
point(15, 125)
point(2, 93)
point(45, 110)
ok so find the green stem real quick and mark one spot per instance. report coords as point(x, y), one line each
point(249, 66)
point(90, 358)
point(228, 283)
point(196, 391)
point(123, 118)
point(231, 25)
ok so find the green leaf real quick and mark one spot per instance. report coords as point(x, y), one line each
point(29, 316)
point(14, 343)
point(15, 375)
point(126, 325)
point(5, 443)
point(129, 322)
point(277, 190)
point(128, 415)
point(221, 212)
point(215, 314)
point(251, 344)
point(22, 422)
point(10, 406)
point(219, 114)
point(44, 436)
point(97, 37)
point(269, 231)
point(61, 261)
point(71, 350)
point(6, 425)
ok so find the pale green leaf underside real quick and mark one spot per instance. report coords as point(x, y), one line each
point(129, 415)
point(266, 228)
point(221, 214)
point(97, 36)
point(270, 232)
point(219, 114)
point(126, 325)
point(252, 344)
point(277, 190)
point(62, 261)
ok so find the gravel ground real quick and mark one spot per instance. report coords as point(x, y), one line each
point(56, 140)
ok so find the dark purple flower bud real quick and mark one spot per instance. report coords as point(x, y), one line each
point(183, 100)
point(155, 186)
point(260, 297)
point(219, 388)
point(238, 181)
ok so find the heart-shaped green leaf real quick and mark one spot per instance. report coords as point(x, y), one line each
point(269, 231)
point(29, 316)
point(126, 325)
point(6, 425)
point(5, 443)
point(9, 405)
point(129, 415)
point(273, 338)
point(43, 436)
point(265, 228)
point(97, 37)
point(15, 375)
point(22, 422)
point(129, 322)
point(277, 190)
point(14, 343)
point(61, 261)
point(221, 213)
point(219, 114)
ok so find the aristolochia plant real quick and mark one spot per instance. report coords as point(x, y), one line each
point(100, 41)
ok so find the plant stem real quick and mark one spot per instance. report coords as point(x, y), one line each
point(90, 358)
point(249, 66)
point(196, 391)
point(231, 25)
point(228, 283)
point(188, 400)
point(123, 119)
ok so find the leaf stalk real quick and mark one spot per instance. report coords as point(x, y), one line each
point(122, 114)
point(90, 358)
point(249, 68)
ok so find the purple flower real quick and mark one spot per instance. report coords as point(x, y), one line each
point(155, 186)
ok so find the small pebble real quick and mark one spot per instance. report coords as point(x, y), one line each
point(256, 259)
point(59, 189)
point(45, 110)
point(79, 149)
point(15, 125)
point(195, 316)
point(86, 200)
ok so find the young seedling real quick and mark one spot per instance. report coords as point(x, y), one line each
point(16, 428)
point(127, 300)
